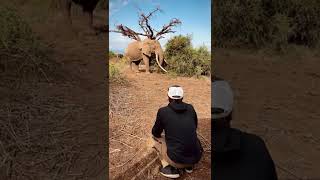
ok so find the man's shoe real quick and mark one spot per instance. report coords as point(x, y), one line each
point(189, 169)
point(170, 172)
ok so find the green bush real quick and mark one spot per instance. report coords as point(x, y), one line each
point(261, 23)
point(177, 44)
point(112, 54)
point(185, 60)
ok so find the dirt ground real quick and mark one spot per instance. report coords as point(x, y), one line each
point(79, 96)
point(133, 110)
point(278, 98)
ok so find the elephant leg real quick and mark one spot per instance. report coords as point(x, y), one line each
point(135, 66)
point(146, 63)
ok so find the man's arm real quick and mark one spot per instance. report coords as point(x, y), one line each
point(271, 166)
point(273, 172)
point(157, 127)
point(196, 119)
point(195, 116)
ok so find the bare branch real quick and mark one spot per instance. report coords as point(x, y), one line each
point(151, 13)
point(149, 32)
point(167, 28)
point(125, 31)
point(160, 37)
point(144, 23)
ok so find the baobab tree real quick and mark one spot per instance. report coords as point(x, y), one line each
point(143, 49)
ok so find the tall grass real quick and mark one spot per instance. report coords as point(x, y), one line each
point(115, 72)
point(22, 54)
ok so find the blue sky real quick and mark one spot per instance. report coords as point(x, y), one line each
point(194, 14)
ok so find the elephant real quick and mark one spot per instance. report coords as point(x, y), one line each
point(143, 50)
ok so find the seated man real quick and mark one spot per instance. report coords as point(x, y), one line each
point(236, 154)
point(180, 147)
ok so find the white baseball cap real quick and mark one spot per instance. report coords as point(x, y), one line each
point(221, 99)
point(175, 92)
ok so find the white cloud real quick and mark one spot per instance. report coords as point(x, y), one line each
point(118, 42)
point(116, 5)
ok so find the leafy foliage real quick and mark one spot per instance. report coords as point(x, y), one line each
point(260, 23)
point(185, 60)
point(112, 54)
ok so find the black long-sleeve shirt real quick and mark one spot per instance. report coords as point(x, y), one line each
point(179, 122)
point(239, 155)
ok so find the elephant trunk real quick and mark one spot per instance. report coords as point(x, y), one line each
point(157, 59)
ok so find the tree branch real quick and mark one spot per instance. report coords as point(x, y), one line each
point(149, 32)
point(125, 31)
point(144, 23)
point(167, 28)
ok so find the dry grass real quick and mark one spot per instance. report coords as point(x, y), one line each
point(125, 142)
point(41, 136)
point(34, 143)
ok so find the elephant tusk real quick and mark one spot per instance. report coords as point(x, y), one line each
point(157, 59)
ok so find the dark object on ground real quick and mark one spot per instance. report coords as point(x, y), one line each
point(239, 155)
point(179, 121)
